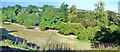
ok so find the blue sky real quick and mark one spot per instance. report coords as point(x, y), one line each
point(81, 4)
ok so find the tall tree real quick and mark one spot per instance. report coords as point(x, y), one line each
point(113, 18)
point(31, 9)
point(72, 17)
point(10, 13)
point(101, 14)
point(17, 9)
point(64, 10)
point(20, 18)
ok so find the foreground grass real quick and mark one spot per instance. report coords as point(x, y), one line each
point(9, 44)
point(41, 37)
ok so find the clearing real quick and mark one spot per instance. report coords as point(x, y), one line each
point(41, 37)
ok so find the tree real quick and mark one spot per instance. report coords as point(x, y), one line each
point(47, 17)
point(30, 20)
point(51, 16)
point(32, 9)
point(20, 18)
point(4, 18)
point(113, 18)
point(17, 9)
point(28, 23)
point(108, 34)
point(10, 12)
point(71, 28)
point(89, 33)
point(101, 14)
point(72, 17)
point(27, 19)
point(85, 23)
point(64, 10)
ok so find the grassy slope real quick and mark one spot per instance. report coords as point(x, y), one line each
point(0, 15)
point(41, 37)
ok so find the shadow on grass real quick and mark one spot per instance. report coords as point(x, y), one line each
point(52, 47)
point(4, 34)
point(9, 49)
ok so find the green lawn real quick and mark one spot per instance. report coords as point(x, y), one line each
point(0, 16)
point(42, 37)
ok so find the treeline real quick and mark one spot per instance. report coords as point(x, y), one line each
point(25, 16)
point(99, 25)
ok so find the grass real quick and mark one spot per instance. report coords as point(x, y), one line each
point(9, 43)
point(0, 15)
point(42, 37)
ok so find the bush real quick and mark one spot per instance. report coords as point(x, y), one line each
point(112, 27)
point(70, 28)
point(44, 25)
point(89, 33)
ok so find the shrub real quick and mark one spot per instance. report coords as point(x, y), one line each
point(89, 33)
point(70, 28)
point(44, 25)
point(112, 27)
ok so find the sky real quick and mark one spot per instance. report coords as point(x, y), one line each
point(80, 4)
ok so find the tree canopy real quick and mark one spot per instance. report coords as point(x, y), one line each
point(99, 25)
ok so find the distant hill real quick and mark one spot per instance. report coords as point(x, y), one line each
point(82, 10)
